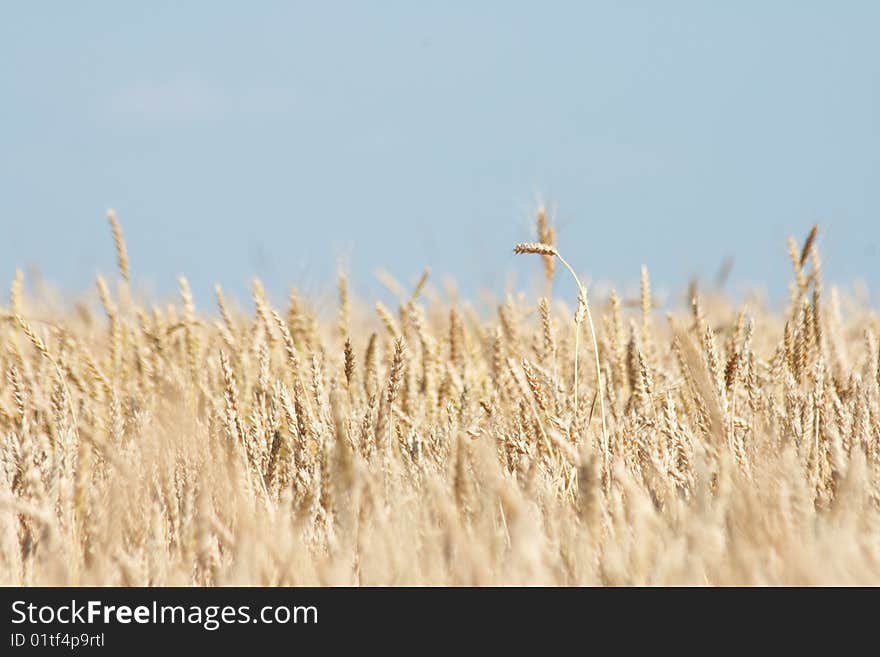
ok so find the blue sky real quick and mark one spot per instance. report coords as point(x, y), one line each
point(283, 139)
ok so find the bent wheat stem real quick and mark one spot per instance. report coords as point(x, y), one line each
point(583, 309)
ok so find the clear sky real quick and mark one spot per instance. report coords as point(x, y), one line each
point(282, 139)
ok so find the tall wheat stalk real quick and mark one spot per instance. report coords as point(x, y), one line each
point(582, 309)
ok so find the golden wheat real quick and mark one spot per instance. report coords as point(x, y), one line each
point(159, 445)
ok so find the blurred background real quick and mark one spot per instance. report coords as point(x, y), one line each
point(286, 140)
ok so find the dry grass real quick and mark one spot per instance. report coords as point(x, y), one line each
point(168, 445)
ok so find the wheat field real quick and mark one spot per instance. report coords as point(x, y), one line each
point(551, 441)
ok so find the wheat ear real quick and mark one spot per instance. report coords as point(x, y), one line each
point(119, 241)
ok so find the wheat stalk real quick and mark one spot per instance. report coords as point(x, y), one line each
point(582, 311)
point(119, 242)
